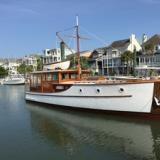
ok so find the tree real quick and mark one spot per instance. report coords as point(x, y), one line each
point(3, 72)
point(83, 61)
point(29, 68)
point(21, 68)
point(152, 73)
point(149, 48)
point(127, 59)
point(39, 64)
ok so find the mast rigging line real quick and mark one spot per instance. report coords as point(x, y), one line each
point(95, 36)
point(67, 29)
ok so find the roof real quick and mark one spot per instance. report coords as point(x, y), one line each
point(154, 40)
point(98, 52)
point(86, 54)
point(57, 71)
point(101, 50)
point(120, 43)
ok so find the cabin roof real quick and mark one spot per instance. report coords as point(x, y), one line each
point(59, 71)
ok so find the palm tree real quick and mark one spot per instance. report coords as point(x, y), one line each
point(127, 59)
point(83, 61)
point(39, 64)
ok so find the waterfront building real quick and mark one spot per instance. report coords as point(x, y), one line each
point(30, 60)
point(54, 55)
point(51, 56)
point(10, 64)
point(111, 60)
point(152, 45)
point(95, 60)
point(107, 60)
point(148, 62)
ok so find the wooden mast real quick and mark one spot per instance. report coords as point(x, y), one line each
point(78, 49)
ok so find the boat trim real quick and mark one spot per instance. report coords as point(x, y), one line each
point(84, 96)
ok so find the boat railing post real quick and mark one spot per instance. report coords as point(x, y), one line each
point(42, 83)
point(59, 77)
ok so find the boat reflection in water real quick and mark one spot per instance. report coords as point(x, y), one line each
point(93, 135)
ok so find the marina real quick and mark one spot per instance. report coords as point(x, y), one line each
point(79, 90)
point(36, 131)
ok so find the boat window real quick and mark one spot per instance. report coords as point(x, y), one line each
point(55, 77)
point(49, 77)
point(33, 80)
point(60, 87)
point(43, 77)
point(73, 76)
point(39, 79)
point(65, 76)
point(31, 77)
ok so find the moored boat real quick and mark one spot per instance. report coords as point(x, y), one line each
point(14, 79)
point(1, 80)
point(72, 88)
point(63, 88)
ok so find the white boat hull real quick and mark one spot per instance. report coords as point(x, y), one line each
point(14, 81)
point(134, 97)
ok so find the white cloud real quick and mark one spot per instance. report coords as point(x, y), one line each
point(15, 8)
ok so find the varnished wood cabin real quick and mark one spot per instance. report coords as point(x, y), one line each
point(54, 80)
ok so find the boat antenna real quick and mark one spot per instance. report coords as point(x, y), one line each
point(78, 50)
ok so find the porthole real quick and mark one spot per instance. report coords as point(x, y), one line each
point(80, 90)
point(121, 90)
point(98, 90)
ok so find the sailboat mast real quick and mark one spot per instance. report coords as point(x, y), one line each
point(78, 48)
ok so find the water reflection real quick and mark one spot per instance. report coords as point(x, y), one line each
point(11, 97)
point(93, 134)
point(29, 130)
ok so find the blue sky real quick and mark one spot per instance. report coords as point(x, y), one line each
point(29, 26)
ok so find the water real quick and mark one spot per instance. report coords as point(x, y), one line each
point(32, 131)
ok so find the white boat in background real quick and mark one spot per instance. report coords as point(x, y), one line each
point(1, 80)
point(14, 79)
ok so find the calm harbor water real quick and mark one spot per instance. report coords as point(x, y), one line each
point(32, 131)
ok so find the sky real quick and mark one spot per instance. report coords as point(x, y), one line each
point(30, 26)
